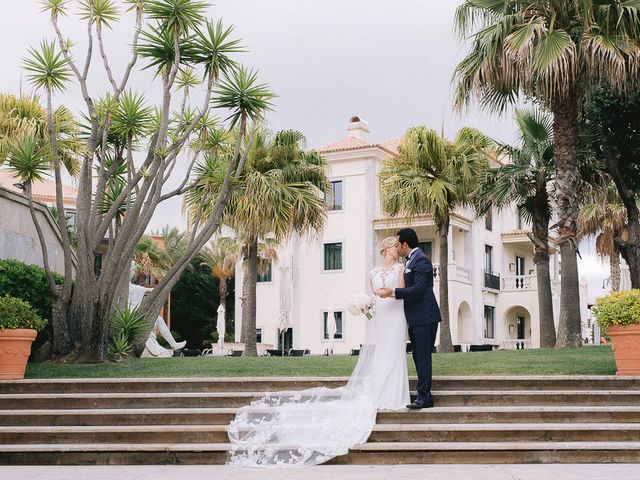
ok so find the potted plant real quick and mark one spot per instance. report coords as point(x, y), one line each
point(619, 314)
point(19, 325)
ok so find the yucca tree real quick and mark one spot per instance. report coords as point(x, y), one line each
point(48, 70)
point(280, 193)
point(554, 51)
point(434, 176)
point(606, 218)
point(525, 182)
point(130, 149)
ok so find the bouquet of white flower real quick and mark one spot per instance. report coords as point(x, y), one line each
point(361, 304)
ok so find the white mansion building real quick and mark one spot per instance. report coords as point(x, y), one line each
point(492, 278)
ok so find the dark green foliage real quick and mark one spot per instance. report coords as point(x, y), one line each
point(616, 120)
point(16, 313)
point(29, 283)
point(126, 326)
point(194, 305)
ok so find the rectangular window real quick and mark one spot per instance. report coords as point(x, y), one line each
point(489, 321)
point(258, 335)
point(427, 248)
point(333, 256)
point(266, 277)
point(488, 220)
point(338, 325)
point(334, 199)
point(488, 259)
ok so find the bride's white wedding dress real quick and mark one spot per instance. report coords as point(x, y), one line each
point(309, 427)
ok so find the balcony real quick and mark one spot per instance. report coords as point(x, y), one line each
point(521, 344)
point(517, 283)
point(456, 273)
point(491, 280)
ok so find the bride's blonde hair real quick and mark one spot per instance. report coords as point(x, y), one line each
point(387, 243)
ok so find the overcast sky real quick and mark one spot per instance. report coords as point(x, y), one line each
point(391, 63)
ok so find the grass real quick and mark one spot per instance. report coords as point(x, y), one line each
point(580, 361)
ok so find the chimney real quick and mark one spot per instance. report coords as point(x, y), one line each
point(358, 128)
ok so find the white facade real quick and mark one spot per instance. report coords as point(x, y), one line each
point(302, 287)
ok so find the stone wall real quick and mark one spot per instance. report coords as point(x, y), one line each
point(18, 236)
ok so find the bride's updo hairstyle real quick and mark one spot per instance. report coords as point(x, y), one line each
point(387, 243)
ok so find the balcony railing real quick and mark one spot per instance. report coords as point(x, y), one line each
point(522, 344)
point(518, 282)
point(491, 280)
point(456, 272)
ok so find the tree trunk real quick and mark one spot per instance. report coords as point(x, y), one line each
point(61, 340)
point(446, 344)
point(545, 304)
point(630, 249)
point(249, 285)
point(614, 270)
point(540, 231)
point(94, 344)
point(565, 132)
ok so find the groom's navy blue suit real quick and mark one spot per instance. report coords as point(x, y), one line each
point(423, 315)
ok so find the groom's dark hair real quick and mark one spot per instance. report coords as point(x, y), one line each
point(409, 236)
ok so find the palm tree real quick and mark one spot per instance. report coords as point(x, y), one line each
point(151, 260)
point(554, 51)
point(526, 183)
point(279, 193)
point(606, 217)
point(433, 176)
point(221, 256)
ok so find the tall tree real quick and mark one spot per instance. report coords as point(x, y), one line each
point(221, 256)
point(434, 176)
point(554, 51)
point(129, 154)
point(526, 183)
point(615, 119)
point(279, 193)
point(606, 218)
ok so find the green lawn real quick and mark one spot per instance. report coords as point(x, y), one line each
point(581, 361)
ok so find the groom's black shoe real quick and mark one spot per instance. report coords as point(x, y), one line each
point(419, 404)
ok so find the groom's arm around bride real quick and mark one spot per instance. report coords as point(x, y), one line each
point(421, 311)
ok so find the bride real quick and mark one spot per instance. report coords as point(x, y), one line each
point(312, 426)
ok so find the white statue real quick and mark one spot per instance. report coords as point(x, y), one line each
point(152, 347)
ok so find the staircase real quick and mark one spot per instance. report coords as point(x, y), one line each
point(183, 421)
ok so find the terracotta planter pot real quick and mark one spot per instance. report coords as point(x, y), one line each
point(625, 343)
point(15, 347)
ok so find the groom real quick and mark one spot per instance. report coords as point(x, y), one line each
point(420, 309)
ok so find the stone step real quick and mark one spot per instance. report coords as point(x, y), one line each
point(222, 416)
point(237, 399)
point(473, 432)
point(369, 453)
point(248, 384)
point(507, 432)
point(491, 453)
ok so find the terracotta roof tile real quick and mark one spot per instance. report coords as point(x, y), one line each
point(43, 191)
point(353, 143)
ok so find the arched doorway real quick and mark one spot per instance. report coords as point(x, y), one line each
point(465, 324)
point(517, 328)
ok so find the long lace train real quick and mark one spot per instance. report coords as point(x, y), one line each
point(306, 427)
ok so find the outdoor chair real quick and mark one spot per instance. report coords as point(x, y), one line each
point(234, 353)
point(298, 353)
point(480, 348)
point(355, 352)
point(272, 352)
